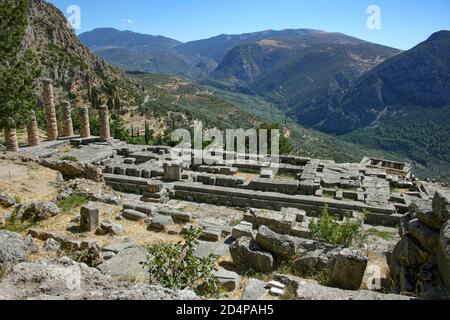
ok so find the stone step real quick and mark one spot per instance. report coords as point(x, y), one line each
point(268, 200)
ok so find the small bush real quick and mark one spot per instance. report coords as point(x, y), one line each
point(174, 266)
point(72, 202)
point(17, 226)
point(330, 230)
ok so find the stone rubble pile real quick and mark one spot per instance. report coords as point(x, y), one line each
point(343, 268)
point(420, 262)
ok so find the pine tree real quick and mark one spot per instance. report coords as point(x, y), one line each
point(147, 134)
point(110, 103)
point(18, 70)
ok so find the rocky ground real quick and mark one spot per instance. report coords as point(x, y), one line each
point(38, 258)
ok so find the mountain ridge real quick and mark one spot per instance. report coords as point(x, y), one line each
point(417, 77)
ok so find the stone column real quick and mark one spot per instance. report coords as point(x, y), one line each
point(67, 119)
point(33, 131)
point(105, 134)
point(85, 129)
point(50, 111)
point(11, 140)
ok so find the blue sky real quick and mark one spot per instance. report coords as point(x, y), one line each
point(404, 23)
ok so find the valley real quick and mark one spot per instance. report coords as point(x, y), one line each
point(312, 79)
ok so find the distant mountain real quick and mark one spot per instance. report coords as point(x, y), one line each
point(103, 38)
point(139, 52)
point(216, 48)
point(419, 77)
point(295, 70)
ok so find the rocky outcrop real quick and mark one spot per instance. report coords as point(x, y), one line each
point(14, 249)
point(348, 270)
point(65, 60)
point(6, 200)
point(275, 243)
point(246, 254)
point(312, 290)
point(420, 262)
point(2, 221)
point(74, 170)
point(37, 211)
point(340, 267)
point(443, 255)
point(65, 279)
point(127, 265)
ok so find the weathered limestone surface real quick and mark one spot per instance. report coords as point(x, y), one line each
point(67, 119)
point(65, 279)
point(67, 244)
point(33, 131)
point(14, 249)
point(85, 128)
point(422, 257)
point(312, 290)
point(441, 205)
point(37, 211)
point(172, 171)
point(254, 290)
point(105, 134)
point(6, 200)
point(247, 255)
point(11, 141)
point(278, 222)
point(160, 223)
point(229, 279)
point(277, 244)
point(243, 229)
point(126, 265)
point(90, 218)
point(50, 111)
point(348, 271)
point(427, 237)
point(73, 170)
point(275, 201)
point(133, 215)
point(444, 254)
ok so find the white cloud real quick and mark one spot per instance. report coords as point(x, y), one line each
point(129, 21)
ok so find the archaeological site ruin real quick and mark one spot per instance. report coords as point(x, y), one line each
point(224, 167)
point(255, 216)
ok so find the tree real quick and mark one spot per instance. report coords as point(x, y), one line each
point(175, 266)
point(117, 104)
point(110, 103)
point(147, 133)
point(284, 143)
point(18, 70)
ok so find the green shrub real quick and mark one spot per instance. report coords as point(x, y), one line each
point(174, 266)
point(330, 230)
point(18, 199)
point(72, 202)
point(17, 226)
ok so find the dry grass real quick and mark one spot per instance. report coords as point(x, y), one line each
point(38, 183)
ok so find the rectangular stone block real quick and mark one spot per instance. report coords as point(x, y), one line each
point(243, 229)
point(90, 218)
